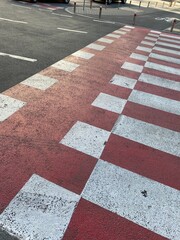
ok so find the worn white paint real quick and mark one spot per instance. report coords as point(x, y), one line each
point(96, 46)
point(161, 82)
point(127, 26)
point(148, 134)
point(166, 50)
point(105, 40)
point(162, 68)
point(168, 44)
point(71, 30)
point(83, 54)
point(65, 66)
point(126, 29)
point(41, 210)
point(147, 43)
point(123, 81)
point(110, 103)
point(152, 31)
point(170, 36)
point(153, 35)
point(165, 58)
point(169, 40)
point(9, 106)
point(113, 35)
point(39, 81)
point(139, 57)
point(144, 49)
point(17, 57)
point(119, 32)
point(154, 101)
point(132, 67)
point(11, 20)
point(121, 191)
point(86, 138)
point(151, 39)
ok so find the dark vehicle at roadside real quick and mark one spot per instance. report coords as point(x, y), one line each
point(35, 1)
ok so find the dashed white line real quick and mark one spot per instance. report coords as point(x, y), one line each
point(11, 20)
point(18, 57)
point(71, 30)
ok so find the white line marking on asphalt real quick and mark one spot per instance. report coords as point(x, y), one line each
point(148, 43)
point(165, 58)
point(167, 44)
point(86, 138)
point(119, 32)
point(83, 54)
point(9, 106)
point(154, 101)
point(11, 20)
point(151, 39)
point(105, 40)
point(16, 5)
point(162, 68)
point(126, 29)
point(148, 134)
point(152, 31)
point(123, 81)
point(139, 57)
point(166, 50)
point(113, 35)
point(62, 15)
point(170, 36)
point(153, 35)
point(110, 103)
point(127, 26)
point(132, 67)
point(103, 21)
point(39, 206)
point(65, 65)
point(143, 201)
point(169, 40)
point(96, 46)
point(39, 81)
point(71, 30)
point(18, 57)
point(144, 49)
point(158, 81)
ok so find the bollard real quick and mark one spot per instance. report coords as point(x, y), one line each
point(173, 24)
point(134, 19)
point(148, 4)
point(83, 5)
point(130, 3)
point(74, 7)
point(139, 4)
point(156, 4)
point(163, 4)
point(100, 12)
point(90, 4)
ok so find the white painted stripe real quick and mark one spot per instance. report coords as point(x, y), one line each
point(83, 54)
point(86, 138)
point(148, 134)
point(139, 57)
point(71, 30)
point(162, 68)
point(151, 39)
point(170, 36)
point(126, 29)
point(152, 31)
point(41, 210)
point(39, 81)
point(120, 32)
point(154, 101)
point(169, 40)
point(144, 49)
point(148, 43)
point(158, 81)
point(127, 26)
point(18, 57)
point(123, 81)
point(165, 58)
point(110, 22)
point(65, 66)
point(167, 44)
point(113, 35)
point(110, 103)
point(143, 201)
point(132, 67)
point(166, 50)
point(9, 106)
point(17, 5)
point(96, 46)
point(105, 40)
point(10, 20)
point(153, 35)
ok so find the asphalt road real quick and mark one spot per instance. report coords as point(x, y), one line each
point(37, 38)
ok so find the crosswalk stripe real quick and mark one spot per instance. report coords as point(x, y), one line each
point(151, 39)
point(65, 65)
point(96, 46)
point(113, 35)
point(83, 54)
point(105, 40)
point(139, 57)
point(167, 44)
point(162, 68)
point(154, 101)
point(148, 134)
point(166, 50)
point(169, 36)
point(165, 58)
point(123, 81)
point(145, 49)
point(148, 43)
point(132, 67)
point(168, 40)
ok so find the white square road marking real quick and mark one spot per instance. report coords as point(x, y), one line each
point(151, 39)
point(113, 35)
point(83, 54)
point(148, 43)
point(143, 201)
point(153, 35)
point(126, 29)
point(105, 40)
point(96, 46)
point(41, 210)
point(139, 57)
point(161, 82)
point(39, 81)
point(148, 134)
point(65, 66)
point(86, 138)
point(132, 67)
point(110, 103)
point(162, 68)
point(120, 32)
point(127, 26)
point(155, 101)
point(123, 81)
point(8, 106)
point(144, 49)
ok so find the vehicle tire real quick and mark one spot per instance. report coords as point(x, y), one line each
point(109, 2)
point(66, 1)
